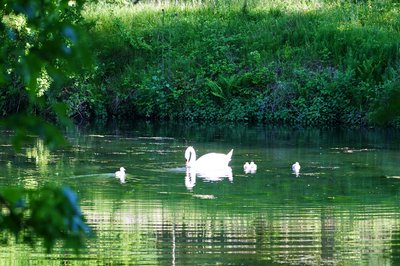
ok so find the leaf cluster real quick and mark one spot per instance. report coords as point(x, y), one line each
point(42, 46)
point(52, 214)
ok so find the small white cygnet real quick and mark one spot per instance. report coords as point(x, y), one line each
point(253, 166)
point(296, 168)
point(250, 167)
point(120, 174)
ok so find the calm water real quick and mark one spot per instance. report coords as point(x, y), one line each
point(343, 208)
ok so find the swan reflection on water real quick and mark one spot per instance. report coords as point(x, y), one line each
point(210, 175)
point(190, 179)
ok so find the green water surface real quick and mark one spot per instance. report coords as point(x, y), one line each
point(342, 209)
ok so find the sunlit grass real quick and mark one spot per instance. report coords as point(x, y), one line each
point(178, 47)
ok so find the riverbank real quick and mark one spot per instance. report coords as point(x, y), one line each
point(319, 63)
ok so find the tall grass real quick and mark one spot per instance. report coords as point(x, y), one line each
point(308, 62)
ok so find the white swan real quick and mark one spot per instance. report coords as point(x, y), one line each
point(296, 168)
point(207, 161)
point(120, 174)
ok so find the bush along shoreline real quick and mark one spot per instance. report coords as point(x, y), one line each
point(325, 63)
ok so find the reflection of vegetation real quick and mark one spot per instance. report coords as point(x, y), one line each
point(40, 153)
point(334, 218)
point(395, 246)
point(162, 232)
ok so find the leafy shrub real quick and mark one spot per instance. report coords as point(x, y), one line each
point(318, 63)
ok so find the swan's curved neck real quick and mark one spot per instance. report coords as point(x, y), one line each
point(190, 156)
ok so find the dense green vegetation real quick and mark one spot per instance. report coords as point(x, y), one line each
point(314, 63)
point(309, 63)
point(41, 45)
point(296, 62)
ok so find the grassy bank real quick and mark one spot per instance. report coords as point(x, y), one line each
point(295, 62)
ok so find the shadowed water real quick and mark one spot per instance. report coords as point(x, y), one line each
point(342, 208)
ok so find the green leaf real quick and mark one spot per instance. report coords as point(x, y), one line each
point(215, 89)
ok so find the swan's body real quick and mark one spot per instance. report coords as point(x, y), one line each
point(207, 161)
point(296, 168)
point(120, 174)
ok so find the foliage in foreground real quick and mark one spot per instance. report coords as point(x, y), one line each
point(41, 44)
point(52, 213)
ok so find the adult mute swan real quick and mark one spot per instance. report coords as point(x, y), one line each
point(207, 161)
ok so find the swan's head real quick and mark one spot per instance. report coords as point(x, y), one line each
point(122, 169)
point(190, 156)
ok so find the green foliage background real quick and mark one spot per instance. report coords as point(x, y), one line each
point(316, 63)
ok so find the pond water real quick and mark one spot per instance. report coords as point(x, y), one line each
point(342, 209)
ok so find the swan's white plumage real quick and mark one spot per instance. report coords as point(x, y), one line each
point(296, 168)
point(120, 174)
point(207, 161)
point(250, 167)
point(253, 166)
